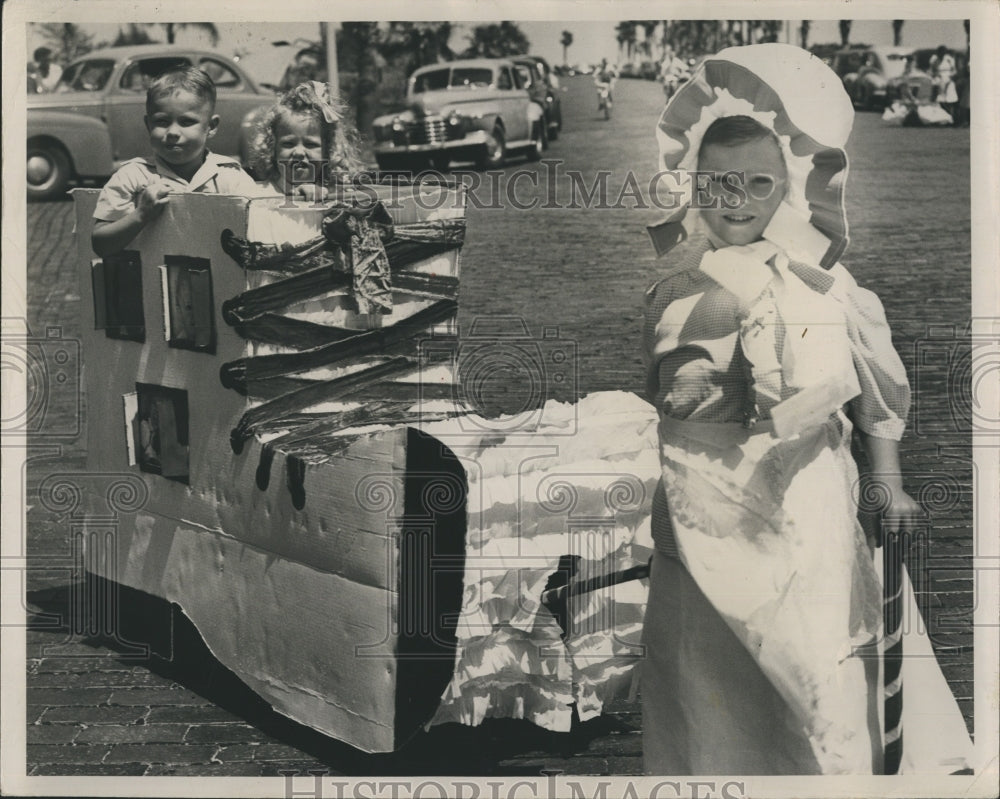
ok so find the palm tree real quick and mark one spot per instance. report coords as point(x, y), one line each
point(207, 27)
point(132, 34)
point(648, 26)
point(626, 39)
point(566, 40)
point(845, 32)
point(497, 41)
point(68, 41)
point(897, 32)
point(416, 44)
point(769, 29)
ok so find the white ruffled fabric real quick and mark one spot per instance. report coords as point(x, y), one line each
point(584, 494)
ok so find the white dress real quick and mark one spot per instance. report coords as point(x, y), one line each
point(765, 601)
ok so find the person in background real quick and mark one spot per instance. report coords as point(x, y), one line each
point(672, 69)
point(943, 70)
point(46, 72)
point(604, 78)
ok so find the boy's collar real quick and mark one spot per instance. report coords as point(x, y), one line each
point(211, 161)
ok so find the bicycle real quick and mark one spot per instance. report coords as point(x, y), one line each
point(604, 101)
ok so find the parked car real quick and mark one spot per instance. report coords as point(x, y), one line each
point(93, 120)
point(534, 73)
point(476, 109)
point(649, 70)
point(866, 73)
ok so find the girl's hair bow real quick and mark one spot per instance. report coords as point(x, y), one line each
point(321, 98)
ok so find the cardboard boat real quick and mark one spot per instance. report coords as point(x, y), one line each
point(274, 412)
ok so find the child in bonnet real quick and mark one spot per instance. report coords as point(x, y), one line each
point(763, 356)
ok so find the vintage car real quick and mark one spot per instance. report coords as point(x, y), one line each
point(93, 120)
point(475, 109)
point(867, 73)
point(534, 74)
point(923, 65)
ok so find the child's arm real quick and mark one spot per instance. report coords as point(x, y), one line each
point(902, 510)
point(111, 237)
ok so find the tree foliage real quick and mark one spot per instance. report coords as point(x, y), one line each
point(566, 40)
point(416, 44)
point(625, 32)
point(696, 37)
point(845, 32)
point(357, 44)
point(133, 33)
point(171, 29)
point(66, 40)
point(497, 41)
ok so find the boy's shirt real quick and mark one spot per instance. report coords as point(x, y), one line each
point(220, 174)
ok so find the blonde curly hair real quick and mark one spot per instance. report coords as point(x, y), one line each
point(340, 137)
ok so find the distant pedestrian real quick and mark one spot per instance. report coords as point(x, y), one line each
point(672, 71)
point(46, 72)
point(763, 355)
point(943, 71)
point(604, 79)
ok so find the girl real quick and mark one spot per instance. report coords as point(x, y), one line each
point(764, 595)
point(304, 143)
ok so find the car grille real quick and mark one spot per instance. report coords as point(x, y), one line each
point(430, 130)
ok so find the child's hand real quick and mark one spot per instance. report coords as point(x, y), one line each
point(901, 512)
point(152, 201)
point(311, 192)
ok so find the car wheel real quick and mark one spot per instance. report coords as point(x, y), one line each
point(538, 143)
point(48, 171)
point(439, 162)
point(555, 125)
point(494, 151)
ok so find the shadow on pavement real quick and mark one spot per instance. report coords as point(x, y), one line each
point(178, 653)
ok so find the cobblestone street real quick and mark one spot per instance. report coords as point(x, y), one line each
point(155, 702)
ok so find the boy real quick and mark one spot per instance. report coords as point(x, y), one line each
point(180, 117)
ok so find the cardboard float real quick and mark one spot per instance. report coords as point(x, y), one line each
point(364, 552)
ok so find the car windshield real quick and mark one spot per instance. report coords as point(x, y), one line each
point(445, 78)
point(86, 76)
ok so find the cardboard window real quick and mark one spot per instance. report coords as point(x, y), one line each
point(159, 430)
point(188, 309)
point(117, 283)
